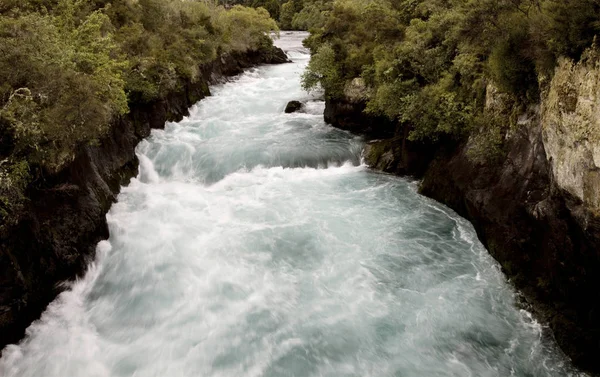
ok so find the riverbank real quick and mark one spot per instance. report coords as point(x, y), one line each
point(545, 238)
point(63, 218)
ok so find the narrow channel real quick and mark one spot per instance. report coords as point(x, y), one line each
point(255, 243)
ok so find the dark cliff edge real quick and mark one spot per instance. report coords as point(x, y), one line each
point(546, 241)
point(64, 217)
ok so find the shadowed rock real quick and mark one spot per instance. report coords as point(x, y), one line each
point(293, 106)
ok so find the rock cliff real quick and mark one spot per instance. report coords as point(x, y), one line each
point(571, 128)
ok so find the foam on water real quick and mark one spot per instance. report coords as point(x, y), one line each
point(254, 243)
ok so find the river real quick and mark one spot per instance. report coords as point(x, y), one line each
point(255, 243)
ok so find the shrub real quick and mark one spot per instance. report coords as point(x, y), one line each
point(69, 68)
point(427, 62)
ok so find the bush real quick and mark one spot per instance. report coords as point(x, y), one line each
point(69, 68)
point(245, 28)
point(427, 62)
point(14, 178)
point(62, 86)
point(510, 66)
point(322, 70)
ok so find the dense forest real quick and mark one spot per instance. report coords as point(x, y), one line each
point(69, 68)
point(290, 14)
point(427, 64)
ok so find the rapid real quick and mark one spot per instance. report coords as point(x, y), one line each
point(255, 243)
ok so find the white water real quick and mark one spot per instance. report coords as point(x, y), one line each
point(252, 243)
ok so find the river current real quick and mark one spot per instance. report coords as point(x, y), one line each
point(255, 243)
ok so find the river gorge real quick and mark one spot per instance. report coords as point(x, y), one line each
point(257, 243)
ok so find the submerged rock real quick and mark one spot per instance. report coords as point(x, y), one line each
point(293, 106)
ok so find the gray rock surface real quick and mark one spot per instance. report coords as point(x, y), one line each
point(571, 128)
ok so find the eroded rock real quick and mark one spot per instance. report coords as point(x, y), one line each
point(571, 128)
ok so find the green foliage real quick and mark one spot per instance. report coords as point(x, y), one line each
point(272, 6)
point(288, 11)
point(566, 28)
point(427, 62)
point(164, 43)
point(322, 70)
point(61, 84)
point(511, 65)
point(70, 68)
point(487, 139)
point(20, 119)
point(245, 28)
point(282, 10)
point(436, 110)
point(313, 14)
point(14, 178)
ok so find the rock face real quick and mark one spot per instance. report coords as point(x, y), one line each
point(275, 56)
point(527, 224)
point(571, 129)
point(64, 219)
point(293, 106)
point(536, 210)
point(398, 155)
point(349, 115)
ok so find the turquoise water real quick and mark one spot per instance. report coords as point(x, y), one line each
point(254, 243)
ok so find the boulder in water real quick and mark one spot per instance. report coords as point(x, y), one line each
point(273, 55)
point(279, 56)
point(293, 106)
